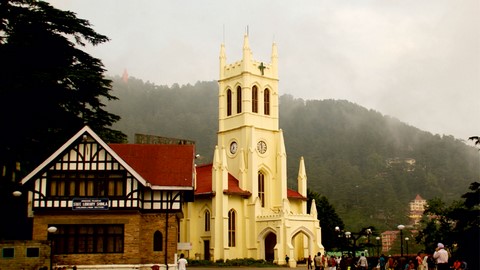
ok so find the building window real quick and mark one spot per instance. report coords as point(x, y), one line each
point(266, 102)
point(261, 188)
point(157, 241)
point(229, 102)
point(8, 252)
point(33, 252)
point(207, 221)
point(255, 99)
point(86, 184)
point(88, 238)
point(239, 99)
point(231, 228)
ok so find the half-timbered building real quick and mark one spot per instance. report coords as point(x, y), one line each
point(114, 205)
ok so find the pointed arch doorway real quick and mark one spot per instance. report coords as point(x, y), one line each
point(270, 242)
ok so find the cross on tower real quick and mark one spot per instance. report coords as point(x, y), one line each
point(262, 68)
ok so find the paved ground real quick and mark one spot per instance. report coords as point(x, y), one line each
point(300, 267)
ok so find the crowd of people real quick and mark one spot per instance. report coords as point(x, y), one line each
point(440, 259)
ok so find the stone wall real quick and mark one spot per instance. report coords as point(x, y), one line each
point(138, 241)
point(20, 259)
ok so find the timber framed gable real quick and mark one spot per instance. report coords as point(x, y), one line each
point(87, 174)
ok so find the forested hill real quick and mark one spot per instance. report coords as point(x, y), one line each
point(368, 165)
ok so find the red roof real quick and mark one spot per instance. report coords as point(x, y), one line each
point(160, 164)
point(293, 194)
point(204, 185)
point(418, 198)
point(204, 180)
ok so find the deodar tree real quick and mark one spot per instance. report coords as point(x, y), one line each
point(49, 87)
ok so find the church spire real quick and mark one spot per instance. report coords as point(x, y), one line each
point(223, 60)
point(247, 52)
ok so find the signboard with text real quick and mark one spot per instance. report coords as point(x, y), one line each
point(90, 204)
point(184, 246)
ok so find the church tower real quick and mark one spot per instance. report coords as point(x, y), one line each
point(248, 125)
point(243, 207)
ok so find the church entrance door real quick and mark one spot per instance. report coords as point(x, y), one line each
point(270, 242)
point(206, 250)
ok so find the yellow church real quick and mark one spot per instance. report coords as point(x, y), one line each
point(243, 207)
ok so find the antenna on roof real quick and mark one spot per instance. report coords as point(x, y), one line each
point(247, 30)
point(223, 33)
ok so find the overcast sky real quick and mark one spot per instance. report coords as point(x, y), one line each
point(418, 61)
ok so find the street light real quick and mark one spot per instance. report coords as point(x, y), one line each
point(406, 243)
point(378, 245)
point(348, 235)
point(401, 227)
point(51, 230)
point(338, 232)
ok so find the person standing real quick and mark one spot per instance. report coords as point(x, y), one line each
point(382, 261)
point(419, 261)
point(182, 263)
point(441, 255)
point(362, 262)
point(309, 262)
point(318, 261)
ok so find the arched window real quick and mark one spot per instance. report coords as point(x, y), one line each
point(229, 102)
point(207, 221)
point(231, 228)
point(255, 99)
point(261, 188)
point(157, 241)
point(266, 102)
point(239, 99)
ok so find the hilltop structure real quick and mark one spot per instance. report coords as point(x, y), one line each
point(242, 206)
point(417, 207)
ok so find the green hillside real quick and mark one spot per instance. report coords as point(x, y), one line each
point(368, 165)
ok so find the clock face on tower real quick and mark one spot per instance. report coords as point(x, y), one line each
point(233, 147)
point(262, 147)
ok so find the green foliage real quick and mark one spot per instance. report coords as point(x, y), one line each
point(328, 219)
point(456, 225)
point(49, 87)
point(346, 148)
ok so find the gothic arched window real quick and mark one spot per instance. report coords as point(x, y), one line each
point(239, 99)
point(266, 102)
point(229, 102)
point(255, 99)
point(261, 188)
point(157, 241)
point(231, 228)
point(207, 221)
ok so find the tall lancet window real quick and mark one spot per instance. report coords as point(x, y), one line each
point(266, 101)
point(255, 99)
point(261, 188)
point(231, 228)
point(229, 102)
point(239, 99)
point(207, 221)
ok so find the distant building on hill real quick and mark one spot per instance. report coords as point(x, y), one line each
point(417, 207)
point(407, 163)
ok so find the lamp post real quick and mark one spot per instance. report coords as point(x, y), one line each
point(378, 245)
point(401, 227)
point(368, 231)
point(406, 243)
point(51, 230)
point(337, 231)
point(348, 235)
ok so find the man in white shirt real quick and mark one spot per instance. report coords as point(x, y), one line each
point(182, 263)
point(441, 255)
